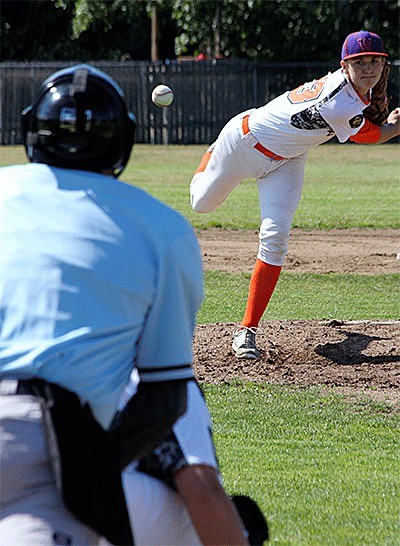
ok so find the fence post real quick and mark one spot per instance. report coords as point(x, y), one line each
point(255, 84)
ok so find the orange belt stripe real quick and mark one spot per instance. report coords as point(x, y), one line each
point(258, 146)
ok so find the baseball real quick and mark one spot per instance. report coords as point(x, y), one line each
point(162, 95)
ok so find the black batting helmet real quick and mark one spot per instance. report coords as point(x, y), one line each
point(79, 121)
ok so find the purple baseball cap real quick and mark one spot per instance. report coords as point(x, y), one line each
point(362, 43)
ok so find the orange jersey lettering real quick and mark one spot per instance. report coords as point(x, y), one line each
point(308, 91)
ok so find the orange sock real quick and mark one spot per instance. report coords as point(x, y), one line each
point(203, 163)
point(262, 284)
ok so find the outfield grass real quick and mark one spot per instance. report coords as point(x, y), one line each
point(346, 186)
point(325, 470)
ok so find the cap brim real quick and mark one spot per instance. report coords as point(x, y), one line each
point(370, 53)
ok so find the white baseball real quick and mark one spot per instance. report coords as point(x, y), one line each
point(162, 95)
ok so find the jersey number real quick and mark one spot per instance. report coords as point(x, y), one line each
point(308, 91)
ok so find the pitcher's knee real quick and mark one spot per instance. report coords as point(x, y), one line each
point(200, 205)
point(271, 256)
point(197, 200)
point(273, 247)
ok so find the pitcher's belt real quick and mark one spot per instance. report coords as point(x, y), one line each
point(259, 146)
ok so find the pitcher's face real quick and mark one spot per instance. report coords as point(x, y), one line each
point(363, 72)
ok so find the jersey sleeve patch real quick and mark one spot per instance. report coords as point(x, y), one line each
point(356, 121)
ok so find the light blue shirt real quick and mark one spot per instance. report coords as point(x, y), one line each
point(96, 277)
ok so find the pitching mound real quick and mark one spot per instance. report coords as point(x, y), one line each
point(361, 355)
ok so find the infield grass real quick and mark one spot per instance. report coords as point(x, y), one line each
point(303, 296)
point(325, 469)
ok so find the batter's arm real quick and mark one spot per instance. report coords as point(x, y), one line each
point(148, 417)
point(212, 512)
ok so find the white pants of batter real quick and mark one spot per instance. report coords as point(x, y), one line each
point(280, 184)
point(32, 512)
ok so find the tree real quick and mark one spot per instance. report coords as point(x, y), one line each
point(280, 30)
point(81, 30)
point(148, 21)
point(273, 30)
point(32, 36)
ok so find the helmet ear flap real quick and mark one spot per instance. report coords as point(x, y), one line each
point(131, 129)
point(130, 134)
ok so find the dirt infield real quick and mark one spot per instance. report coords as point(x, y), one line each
point(368, 252)
point(351, 356)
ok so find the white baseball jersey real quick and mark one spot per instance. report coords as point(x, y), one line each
point(96, 277)
point(271, 144)
point(298, 120)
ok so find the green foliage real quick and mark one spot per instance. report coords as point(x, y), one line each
point(128, 22)
point(324, 470)
point(277, 30)
point(27, 31)
point(87, 30)
point(89, 12)
point(304, 296)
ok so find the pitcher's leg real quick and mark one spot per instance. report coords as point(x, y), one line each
point(262, 285)
point(280, 193)
point(224, 165)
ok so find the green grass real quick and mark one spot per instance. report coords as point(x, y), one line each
point(345, 186)
point(325, 472)
point(304, 296)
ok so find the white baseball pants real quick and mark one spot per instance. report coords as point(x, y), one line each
point(280, 185)
point(32, 512)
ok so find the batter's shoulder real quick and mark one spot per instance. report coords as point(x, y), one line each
point(153, 213)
